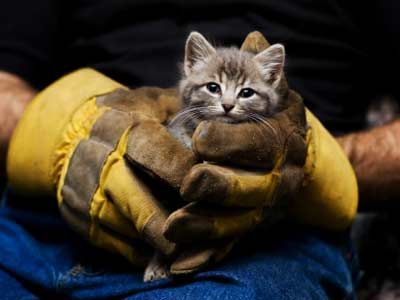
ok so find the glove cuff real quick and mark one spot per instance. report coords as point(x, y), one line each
point(42, 129)
point(329, 197)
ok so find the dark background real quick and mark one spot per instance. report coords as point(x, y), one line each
point(340, 54)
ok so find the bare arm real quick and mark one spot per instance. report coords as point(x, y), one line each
point(375, 156)
point(15, 94)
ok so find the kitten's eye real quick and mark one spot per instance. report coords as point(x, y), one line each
point(246, 93)
point(213, 87)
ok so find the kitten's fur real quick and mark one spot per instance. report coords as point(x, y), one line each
point(232, 70)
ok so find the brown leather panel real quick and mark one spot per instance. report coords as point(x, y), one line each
point(89, 156)
point(196, 257)
point(153, 234)
point(244, 144)
point(119, 99)
point(256, 145)
point(150, 102)
point(206, 181)
point(155, 150)
point(77, 221)
point(110, 126)
point(83, 174)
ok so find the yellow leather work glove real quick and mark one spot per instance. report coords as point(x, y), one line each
point(86, 139)
point(292, 166)
point(71, 117)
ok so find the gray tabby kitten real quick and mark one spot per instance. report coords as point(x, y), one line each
point(226, 85)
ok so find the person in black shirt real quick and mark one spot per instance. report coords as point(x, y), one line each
point(340, 56)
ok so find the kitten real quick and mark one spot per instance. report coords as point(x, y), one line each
point(225, 85)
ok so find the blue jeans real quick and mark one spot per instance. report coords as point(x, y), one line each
point(40, 258)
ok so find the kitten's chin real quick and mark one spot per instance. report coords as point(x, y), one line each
point(227, 119)
point(223, 118)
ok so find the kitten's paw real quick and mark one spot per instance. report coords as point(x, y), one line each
point(156, 269)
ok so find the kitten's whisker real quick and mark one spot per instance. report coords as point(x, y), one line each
point(184, 111)
point(183, 119)
point(190, 117)
point(261, 125)
point(185, 114)
point(190, 109)
point(264, 121)
point(251, 120)
point(187, 117)
point(266, 126)
point(214, 108)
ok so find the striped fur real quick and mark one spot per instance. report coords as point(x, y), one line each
point(233, 70)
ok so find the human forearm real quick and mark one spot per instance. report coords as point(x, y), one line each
point(375, 156)
point(15, 94)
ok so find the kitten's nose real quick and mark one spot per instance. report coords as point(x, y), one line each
point(228, 107)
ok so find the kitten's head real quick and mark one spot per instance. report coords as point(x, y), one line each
point(230, 85)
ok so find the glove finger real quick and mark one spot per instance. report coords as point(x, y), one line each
point(199, 222)
point(228, 186)
point(196, 257)
point(137, 203)
point(156, 151)
point(258, 144)
point(135, 250)
point(204, 220)
point(98, 174)
point(108, 216)
point(246, 144)
point(113, 236)
point(148, 102)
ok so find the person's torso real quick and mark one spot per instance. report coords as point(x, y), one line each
point(142, 43)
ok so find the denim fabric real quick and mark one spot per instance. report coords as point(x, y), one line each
point(40, 258)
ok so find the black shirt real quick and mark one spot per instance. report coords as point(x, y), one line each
point(339, 55)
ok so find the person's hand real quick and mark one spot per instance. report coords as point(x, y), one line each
point(15, 94)
point(290, 166)
point(375, 157)
point(102, 149)
point(227, 202)
point(252, 172)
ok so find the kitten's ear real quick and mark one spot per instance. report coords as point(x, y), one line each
point(271, 62)
point(197, 50)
